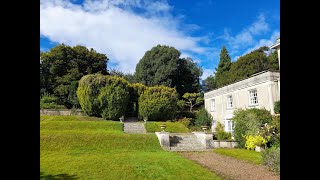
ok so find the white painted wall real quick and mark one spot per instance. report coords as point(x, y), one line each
point(267, 88)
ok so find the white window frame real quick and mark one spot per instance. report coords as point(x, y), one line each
point(212, 104)
point(229, 126)
point(229, 103)
point(253, 100)
point(214, 125)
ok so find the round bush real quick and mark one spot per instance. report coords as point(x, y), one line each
point(249, 122)
point(158, 103)
point(105, 96)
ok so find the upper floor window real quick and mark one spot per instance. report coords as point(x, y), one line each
point(253, 97)
point(213, 105)
point(229, 102)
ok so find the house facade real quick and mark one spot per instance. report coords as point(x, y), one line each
point(260, 90)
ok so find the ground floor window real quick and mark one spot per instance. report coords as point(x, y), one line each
point(228, 126)
point(214, 124)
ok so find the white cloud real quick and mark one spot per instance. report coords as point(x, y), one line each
point(206, 73)
point(246, 36)
point(264, 42)
point(113, 28)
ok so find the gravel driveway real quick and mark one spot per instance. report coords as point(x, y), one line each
point(231, 168)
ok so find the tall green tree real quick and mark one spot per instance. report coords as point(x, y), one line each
point(63, 65)
point(273, 61)
point(223, 67)
point(162, 65)
point(188, 76)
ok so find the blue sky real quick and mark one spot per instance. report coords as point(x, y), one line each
point(125, 29)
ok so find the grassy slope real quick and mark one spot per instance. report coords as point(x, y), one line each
point(247, 155)
point(174, 127)
point(95, 149)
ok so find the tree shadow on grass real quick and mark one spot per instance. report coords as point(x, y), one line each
point(57, 176)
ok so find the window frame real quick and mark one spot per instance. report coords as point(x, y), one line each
point(212, 108)
point(227, 128)
point(252, 97)
point(231, 102)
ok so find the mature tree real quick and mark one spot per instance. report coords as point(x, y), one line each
point(188, 76)
point(63, 65)
point(115, 72)
point(247, 65)
point(192, 99)
point(223, 66)
point(209, 83)
point(162, 66)
point(129, 77)
point(273, 61)
point(158, 66)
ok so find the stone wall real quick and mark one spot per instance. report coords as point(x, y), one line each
point(224, 143)
point(61, 112)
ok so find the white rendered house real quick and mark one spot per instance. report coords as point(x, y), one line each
point(258, 91)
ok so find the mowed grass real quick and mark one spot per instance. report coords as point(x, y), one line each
point(173, 127)
point(247, 155)
point(98, 149)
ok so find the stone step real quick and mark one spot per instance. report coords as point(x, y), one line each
point(186, 149)
point(134, 128)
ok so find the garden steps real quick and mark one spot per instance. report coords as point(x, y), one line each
point(134, 127)
point(185, 142)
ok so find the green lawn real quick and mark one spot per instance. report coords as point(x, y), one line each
point(247, 155)
point(80, 148)
point(173, 127)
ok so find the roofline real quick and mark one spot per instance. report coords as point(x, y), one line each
point(275, 45)
point(252, 76)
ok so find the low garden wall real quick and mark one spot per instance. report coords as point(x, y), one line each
point(62, 112)
point(224, 143)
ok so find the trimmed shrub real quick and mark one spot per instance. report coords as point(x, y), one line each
point(48, 101)
point(277, 107)
point(220, 133)
point(203, 118)
point(158, 103)
point(113, 100)
point(185, 121)
point(271, 158)
point(103, 96)
point(249, 122)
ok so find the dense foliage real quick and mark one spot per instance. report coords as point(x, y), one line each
point(105, 96)
point(192, 99)
point(253, 141)
point(48, 101)
point(158, 103)
point(63, 66)
point(229, 72)
point(277, 107)
point(249, 122)
point(223, 67)
point(203, 118)
point(271, 158)
point(220, 134)
point(162, 66)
